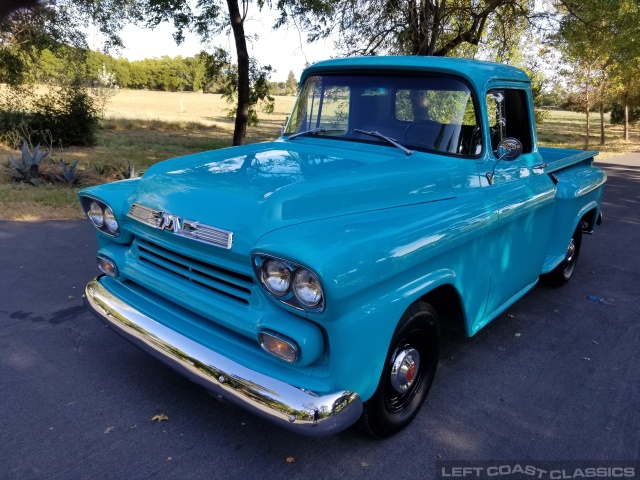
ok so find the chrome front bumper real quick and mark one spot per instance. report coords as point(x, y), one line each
point(290, 407)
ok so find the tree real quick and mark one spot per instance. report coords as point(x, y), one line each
point(291, 84)
point(585, 39)
point(56, 25)
point(626, 89)
point(8, 6)
point(599, 38)
point(104, 89)
point(220, 69)
point(207, 19)
point(406, 27)
point(52, 28)
point(625, 74)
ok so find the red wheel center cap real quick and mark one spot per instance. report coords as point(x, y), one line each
point(411, 372)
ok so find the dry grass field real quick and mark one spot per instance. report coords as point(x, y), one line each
point(567, 130)
point(142, 128)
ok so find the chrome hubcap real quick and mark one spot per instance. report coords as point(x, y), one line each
point(571, 250)
point(405, 369)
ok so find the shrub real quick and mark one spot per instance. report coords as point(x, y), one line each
point(617, 114)
point(65, 116)
point(69, 114)
point(15, 105)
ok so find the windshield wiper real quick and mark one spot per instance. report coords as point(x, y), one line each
point(386, 139)
point(315, 131)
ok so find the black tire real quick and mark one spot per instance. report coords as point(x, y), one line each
point(388, 411)
point(563, 272)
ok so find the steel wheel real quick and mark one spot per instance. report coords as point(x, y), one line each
point(408, 373)
point(563, 272)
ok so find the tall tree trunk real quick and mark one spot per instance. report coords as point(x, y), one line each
point(242, 112)
point(588, 106)
point(601, 122)
point(626, 119)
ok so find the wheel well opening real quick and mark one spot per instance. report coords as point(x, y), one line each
point(446, 301)
point(589, 221)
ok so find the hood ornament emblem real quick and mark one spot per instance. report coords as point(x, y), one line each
point(169, 222)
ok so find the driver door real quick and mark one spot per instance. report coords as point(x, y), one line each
point(522, 197)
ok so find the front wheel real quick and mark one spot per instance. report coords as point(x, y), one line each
point(563, 272)
point(408, 373)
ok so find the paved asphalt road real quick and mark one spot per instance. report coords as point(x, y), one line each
point(556, 377)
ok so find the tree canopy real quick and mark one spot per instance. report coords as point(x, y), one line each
point(405, 27)
point(599, 40)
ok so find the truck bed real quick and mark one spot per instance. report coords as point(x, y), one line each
point(559, 158)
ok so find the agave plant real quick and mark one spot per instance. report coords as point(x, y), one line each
point(26, 168)
point(70, 174)
point(126, 169)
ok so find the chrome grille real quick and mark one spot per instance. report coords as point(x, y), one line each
point(204, 233)
point(145, 214)
point(218, 279)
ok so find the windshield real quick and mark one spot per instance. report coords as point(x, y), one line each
point(428, 113)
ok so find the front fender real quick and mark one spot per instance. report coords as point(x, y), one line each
point(374, 265)
point(116, 195)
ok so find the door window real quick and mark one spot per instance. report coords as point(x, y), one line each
point(508, 112)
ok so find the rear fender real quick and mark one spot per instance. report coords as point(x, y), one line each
point(578, 196)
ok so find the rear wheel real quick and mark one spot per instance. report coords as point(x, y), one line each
point(408, 373)
point(563, 272)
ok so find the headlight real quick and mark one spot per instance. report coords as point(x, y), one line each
point(290, 282)
point(110, 220)
point(96, 215)
point(101, 215)
point(276, 276)
point(306, 288)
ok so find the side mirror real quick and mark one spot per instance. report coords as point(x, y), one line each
point(508, 149)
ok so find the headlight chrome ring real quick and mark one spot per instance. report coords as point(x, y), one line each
point(276, 276)
point(101, 215)
point(306, 288)
point(290, 283)
point(110, 220)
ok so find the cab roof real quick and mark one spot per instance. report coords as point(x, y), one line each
point(475, 72)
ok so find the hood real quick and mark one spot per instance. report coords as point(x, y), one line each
point(254, 189)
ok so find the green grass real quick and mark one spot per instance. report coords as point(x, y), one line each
point(26, 202)
point(143, 142)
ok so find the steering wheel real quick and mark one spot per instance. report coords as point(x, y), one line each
point(474, 140)
point(418, 143)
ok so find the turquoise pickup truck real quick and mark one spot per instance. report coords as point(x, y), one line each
point(307, 279)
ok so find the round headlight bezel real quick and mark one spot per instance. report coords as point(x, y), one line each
point(101, 215)
point(303, 278)
point(273, 265)
point(261, 263)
